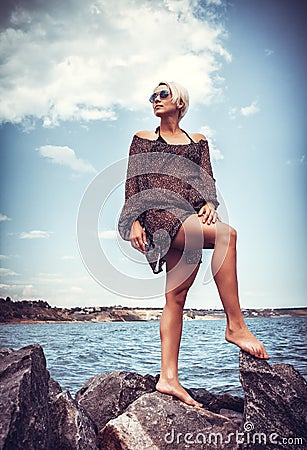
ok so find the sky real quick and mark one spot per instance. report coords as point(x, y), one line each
point(76, 76)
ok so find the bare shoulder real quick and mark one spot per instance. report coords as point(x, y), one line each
point(147, 134)
point(198, 137)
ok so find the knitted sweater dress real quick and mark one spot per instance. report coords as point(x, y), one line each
point(165, 184)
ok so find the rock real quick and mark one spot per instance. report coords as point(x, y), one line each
point(71, 428)
point(5, 351)
point(34, 412)
point(157, 421)
point(107, 395)
point(24, 415)
point(228, 405)
point(233, 415)
point(275, 405)
point(54, 388)
point(36, 415)
point(216, 402)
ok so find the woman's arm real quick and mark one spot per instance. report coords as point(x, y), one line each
point(137, 233)
point(208, 210)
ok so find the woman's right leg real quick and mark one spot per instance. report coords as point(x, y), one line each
point(171, 324)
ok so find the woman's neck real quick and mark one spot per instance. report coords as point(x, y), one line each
point(169, 126)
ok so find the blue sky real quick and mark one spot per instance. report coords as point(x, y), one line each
point(75, 80)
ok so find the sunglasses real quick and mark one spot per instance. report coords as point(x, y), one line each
point(162, 94)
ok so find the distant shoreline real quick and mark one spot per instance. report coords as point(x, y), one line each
point(41, 322)
point(31, 312)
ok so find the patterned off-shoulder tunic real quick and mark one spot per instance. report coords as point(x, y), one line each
point(165, 184)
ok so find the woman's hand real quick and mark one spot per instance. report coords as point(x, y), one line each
point(209, 214)
point(138, 236)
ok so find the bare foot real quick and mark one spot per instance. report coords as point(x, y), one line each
point(245, 340)
point(174, 388)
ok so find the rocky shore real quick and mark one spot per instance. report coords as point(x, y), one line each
point(29, 311)
point(122, 410)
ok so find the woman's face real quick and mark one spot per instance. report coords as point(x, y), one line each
point(163, 106)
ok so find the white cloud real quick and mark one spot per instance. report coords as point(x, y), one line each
point(77, 289)
point(214, 2)
point(4, 218)
point(251, 109)
point(215, 153)
point(7, 272)
point(268, 52)
point(18, 291)
point(233, 113)
point(107, 234)
point(65, 156)
point(5, 257)
point(72, 290)
point(246, 111)
point(85, 61)
point(297, 161)
point(50, 279)
point(35, 234)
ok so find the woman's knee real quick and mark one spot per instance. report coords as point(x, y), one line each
point(177, 296)
point(227, 235)
point(233, 234)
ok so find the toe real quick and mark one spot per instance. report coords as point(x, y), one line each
point(261, 353)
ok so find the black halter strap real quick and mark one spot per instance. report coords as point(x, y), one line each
point(161, 139)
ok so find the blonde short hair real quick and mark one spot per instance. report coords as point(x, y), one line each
point(179, 94)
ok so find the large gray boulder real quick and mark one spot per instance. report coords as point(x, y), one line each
point(107, 395)
point(34, 412)
point(275, 412)
point(130, 414)
point(217, 402)
point(158, 422)
point(24, 414)
point(70, 426)
point(54, 388)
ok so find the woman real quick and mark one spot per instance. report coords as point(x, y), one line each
point(170, 215)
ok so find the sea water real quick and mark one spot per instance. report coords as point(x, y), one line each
point(79, 350)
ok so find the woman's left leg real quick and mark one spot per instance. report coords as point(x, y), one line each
point(171, 324)
point(224, 271)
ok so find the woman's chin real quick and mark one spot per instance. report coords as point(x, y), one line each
point(158, 113)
